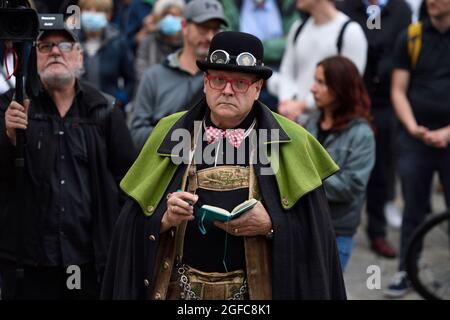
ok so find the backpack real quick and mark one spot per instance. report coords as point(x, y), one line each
point(414, 42)
point(339, 39)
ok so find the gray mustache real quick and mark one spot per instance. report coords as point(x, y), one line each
point(55, 61)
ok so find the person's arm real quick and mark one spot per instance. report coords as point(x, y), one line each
point(16, 117)
point(178, 210)
point(7, 148)
point(399, 89)
point(354, 46)
point(282, 84)
point(401, 77)
point(143, 110)
point(148, 25)
point(285, 82)
point(353, 176)
point(255, 222)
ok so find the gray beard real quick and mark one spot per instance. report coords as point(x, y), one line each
point(59, 81)
point(56, 81)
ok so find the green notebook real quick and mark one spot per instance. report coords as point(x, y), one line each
point(216, 213)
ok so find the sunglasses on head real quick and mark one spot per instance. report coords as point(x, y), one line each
point(245, 59)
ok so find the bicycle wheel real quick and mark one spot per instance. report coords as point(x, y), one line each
point(428, 258)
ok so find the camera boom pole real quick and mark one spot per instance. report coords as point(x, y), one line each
point(19, 164)
point(19, 24)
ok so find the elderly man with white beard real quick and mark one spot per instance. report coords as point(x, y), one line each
point(77, 150)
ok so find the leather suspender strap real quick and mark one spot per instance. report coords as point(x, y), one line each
point(258, 254)
point(170, 251)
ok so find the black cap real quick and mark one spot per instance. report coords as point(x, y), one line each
point(54, 23)
point(70, 33)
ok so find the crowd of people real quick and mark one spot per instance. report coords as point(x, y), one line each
point(108, 187)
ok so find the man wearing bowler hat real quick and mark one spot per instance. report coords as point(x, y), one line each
point(226, 149)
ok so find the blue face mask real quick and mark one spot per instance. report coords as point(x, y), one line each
point(93, 21)
point(170, 25)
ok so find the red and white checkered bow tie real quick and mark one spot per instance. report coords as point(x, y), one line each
point(234, 136)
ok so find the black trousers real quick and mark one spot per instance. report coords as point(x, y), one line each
point(417, 163)
point(49, 283)
point(382, 180)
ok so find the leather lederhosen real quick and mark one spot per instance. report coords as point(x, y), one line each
point(256, 280)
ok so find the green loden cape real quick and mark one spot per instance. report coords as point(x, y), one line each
point(305, 260)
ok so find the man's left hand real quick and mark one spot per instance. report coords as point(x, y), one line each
point(438, 138)
point(253, 223)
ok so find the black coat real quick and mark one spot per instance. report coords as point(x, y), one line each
point(110, 154)
point(305, 258)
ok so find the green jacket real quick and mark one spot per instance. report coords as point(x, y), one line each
point(273, 48)
point(302, 162)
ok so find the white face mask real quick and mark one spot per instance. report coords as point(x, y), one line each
point(170, 25)
point(93, 21)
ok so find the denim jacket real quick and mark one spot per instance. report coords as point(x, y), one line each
point(354, 152)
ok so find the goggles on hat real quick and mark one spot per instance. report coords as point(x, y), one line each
point(244, 59)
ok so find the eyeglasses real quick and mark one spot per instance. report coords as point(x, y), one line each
point(220, 82)
point(46, 47)
point(245, 59)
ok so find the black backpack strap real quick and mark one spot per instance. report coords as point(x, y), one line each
point(299, 29)
point(341, 35)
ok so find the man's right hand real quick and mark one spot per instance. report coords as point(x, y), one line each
point(178, 209)
point(291, 109)
point(16, 117)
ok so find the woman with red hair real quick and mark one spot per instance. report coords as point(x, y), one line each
point(342, 124)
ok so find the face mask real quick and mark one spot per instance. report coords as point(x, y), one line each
point(170, 25)
point(93, 21)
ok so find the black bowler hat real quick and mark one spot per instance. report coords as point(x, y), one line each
point(236, 51)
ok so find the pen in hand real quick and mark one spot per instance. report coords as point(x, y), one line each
point(189, 202)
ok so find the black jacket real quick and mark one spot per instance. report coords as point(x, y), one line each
point(110, 153)
point(395, 17)
point(305, 258)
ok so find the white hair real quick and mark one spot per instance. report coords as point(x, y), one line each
point(162, 5)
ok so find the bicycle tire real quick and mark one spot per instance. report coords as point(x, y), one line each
point(411, 258)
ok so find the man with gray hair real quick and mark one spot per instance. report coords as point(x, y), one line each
point(77, 148)
point(177, 83)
